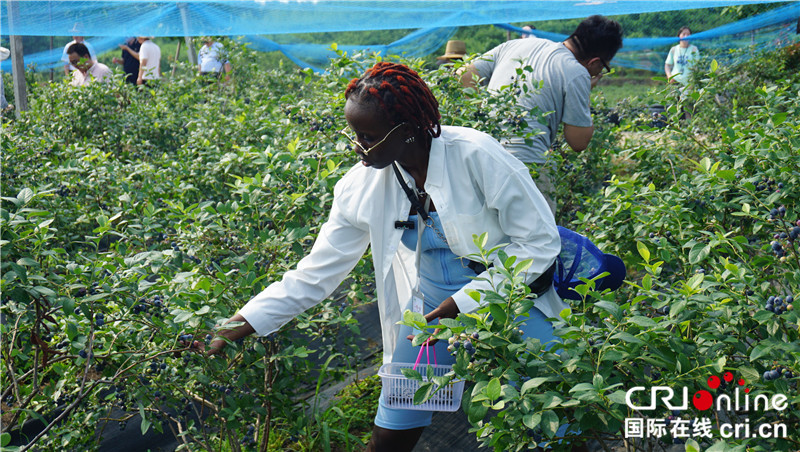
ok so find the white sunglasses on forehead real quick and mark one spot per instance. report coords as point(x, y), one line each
point(368, 150)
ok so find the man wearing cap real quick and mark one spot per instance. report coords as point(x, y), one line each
point(453, 51)
point(65, 56)
point(211, 59)
point(568, 70)
point(87, 70)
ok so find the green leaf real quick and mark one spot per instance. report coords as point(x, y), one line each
point(749, 374)
point(549, 423)
point(643, 251)
point(68, 306)
point(145, 426)
point(618, 397)
point(414, 319)
point(677, 307)
point(423, 393)
point(28, 262)
point(551, 401)
point(692, 446)
point(498, 313)
point(5, 438)
point(719, 446)
point(72, 330)
point(582, 387)
point(493, 389)
point(183, 316)
point(411, 374)
point(20, 271)
point(642, 321)
point(647, 282)
point(44, 291)
point(477, 411)
point(533, 383)
point(714, 66)
point(699, 252)
point(95, 297)
point(531, 420)
point(25, 195)
point(450, 323)
point(610, 307)
point(720, 364)
point(499, 405)
point(626, 337)
point(728, 175)
point(779, 118)
point(758, 352)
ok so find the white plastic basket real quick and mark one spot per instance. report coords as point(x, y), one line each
point(398, 391)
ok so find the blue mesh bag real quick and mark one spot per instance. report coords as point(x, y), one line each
point(580, 258)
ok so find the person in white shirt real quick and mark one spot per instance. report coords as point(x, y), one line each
point(211, 59)
point(680, 59)
point(86, 70)
point(415, 176)
point(65, 58)
point(149, 61)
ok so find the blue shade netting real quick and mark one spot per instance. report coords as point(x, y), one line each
point(258, 17)
point(107, 23)
point(773, 29)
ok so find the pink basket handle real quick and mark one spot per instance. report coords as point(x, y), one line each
point(426, 346)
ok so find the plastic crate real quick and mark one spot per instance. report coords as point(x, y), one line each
point(398, 391)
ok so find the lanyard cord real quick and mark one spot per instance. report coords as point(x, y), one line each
point(410, 194)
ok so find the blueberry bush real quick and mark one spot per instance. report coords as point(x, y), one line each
point(135, 220)
point(703, 208)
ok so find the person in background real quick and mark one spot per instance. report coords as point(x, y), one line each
point(211, 59)
point(527, 28)
point(569, 71)
point(453, 51)
point(680, 58)
point(65, 58)
point(130, 59)
point(417, 196)
point(87, 71)
point(4, 54)
point(149, 61)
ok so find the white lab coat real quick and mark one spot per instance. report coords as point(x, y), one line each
point(476, 187)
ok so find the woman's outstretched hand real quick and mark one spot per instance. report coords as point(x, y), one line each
point(218, 343)
point(446, 310)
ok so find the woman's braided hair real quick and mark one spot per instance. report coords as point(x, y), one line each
point(401, 94)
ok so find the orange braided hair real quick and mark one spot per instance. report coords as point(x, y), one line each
point(401, 94)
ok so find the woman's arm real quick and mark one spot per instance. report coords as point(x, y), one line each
point(231, 334)
point(133, 53)
point(335, 253)
point(669, 64)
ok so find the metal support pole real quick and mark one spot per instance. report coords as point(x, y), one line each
point(186, 35)
point(177, 55)
point(17, 62)
point(52, 70)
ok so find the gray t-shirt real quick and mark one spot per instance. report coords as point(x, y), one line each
point(566, 90)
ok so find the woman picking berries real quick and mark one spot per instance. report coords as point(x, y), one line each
point(462, 182)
